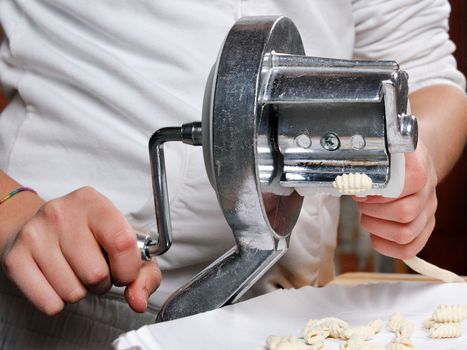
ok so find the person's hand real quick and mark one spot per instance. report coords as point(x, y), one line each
point(77, 243)
point(401, 227)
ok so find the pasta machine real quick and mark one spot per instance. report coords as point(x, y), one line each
point(278, 125)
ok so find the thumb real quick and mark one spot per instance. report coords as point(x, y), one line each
point(148, 280)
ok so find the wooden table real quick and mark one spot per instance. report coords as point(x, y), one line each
point(354, 278)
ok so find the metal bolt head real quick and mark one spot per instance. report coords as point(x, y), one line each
point(303, 141)
point(358, 142)
point(330, 141)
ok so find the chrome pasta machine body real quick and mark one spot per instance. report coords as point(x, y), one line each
point(278, 125)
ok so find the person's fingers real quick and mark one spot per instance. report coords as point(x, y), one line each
point(59, 274)
point(374, 199)
point(403, 251)
point(400, 227)
point(21, 268)
point(403, 210)
point(138, 292)
point(45, 249)
point(417, 171)
point(417, 174)
point(88, 261)
point(120, 246)
point(399, 223)
point(114, 234)
point(394, 231)
point(73, 240)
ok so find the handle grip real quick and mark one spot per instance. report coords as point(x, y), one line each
point(188, 133)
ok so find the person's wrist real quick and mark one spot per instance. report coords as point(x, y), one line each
point(16, 211)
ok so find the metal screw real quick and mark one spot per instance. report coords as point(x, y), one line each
point(303, 141)
point(358, 142)
point(330, 141)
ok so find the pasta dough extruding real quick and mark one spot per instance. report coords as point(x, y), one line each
point(445, 330)
point(352, 183)
point(450, 313)
point(425, 268)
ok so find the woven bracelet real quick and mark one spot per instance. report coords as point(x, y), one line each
point(12, 193)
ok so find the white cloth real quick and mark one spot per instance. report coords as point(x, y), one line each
point(285, 312)
point(91, 81)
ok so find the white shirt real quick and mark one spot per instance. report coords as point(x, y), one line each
point(91, 81)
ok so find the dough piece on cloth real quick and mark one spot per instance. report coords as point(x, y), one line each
point(401, 343)
point(401, 326)
point(376, 325)
point(445, 330)
point(362, 332)
point(333, 325)
point(275, 342)
point(450, 313)
point(315, 335)
point(445, 322)
point(357, 344)
point(428, 323)
point(395, 322)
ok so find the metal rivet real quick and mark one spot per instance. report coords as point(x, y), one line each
point(358, 142)
point(408, 125)
point(330, 141)
point(303, 141)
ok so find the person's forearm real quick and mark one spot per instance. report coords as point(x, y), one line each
point(441, 111)
point(16, 210)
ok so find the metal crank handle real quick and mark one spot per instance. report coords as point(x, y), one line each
point(190, 134)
